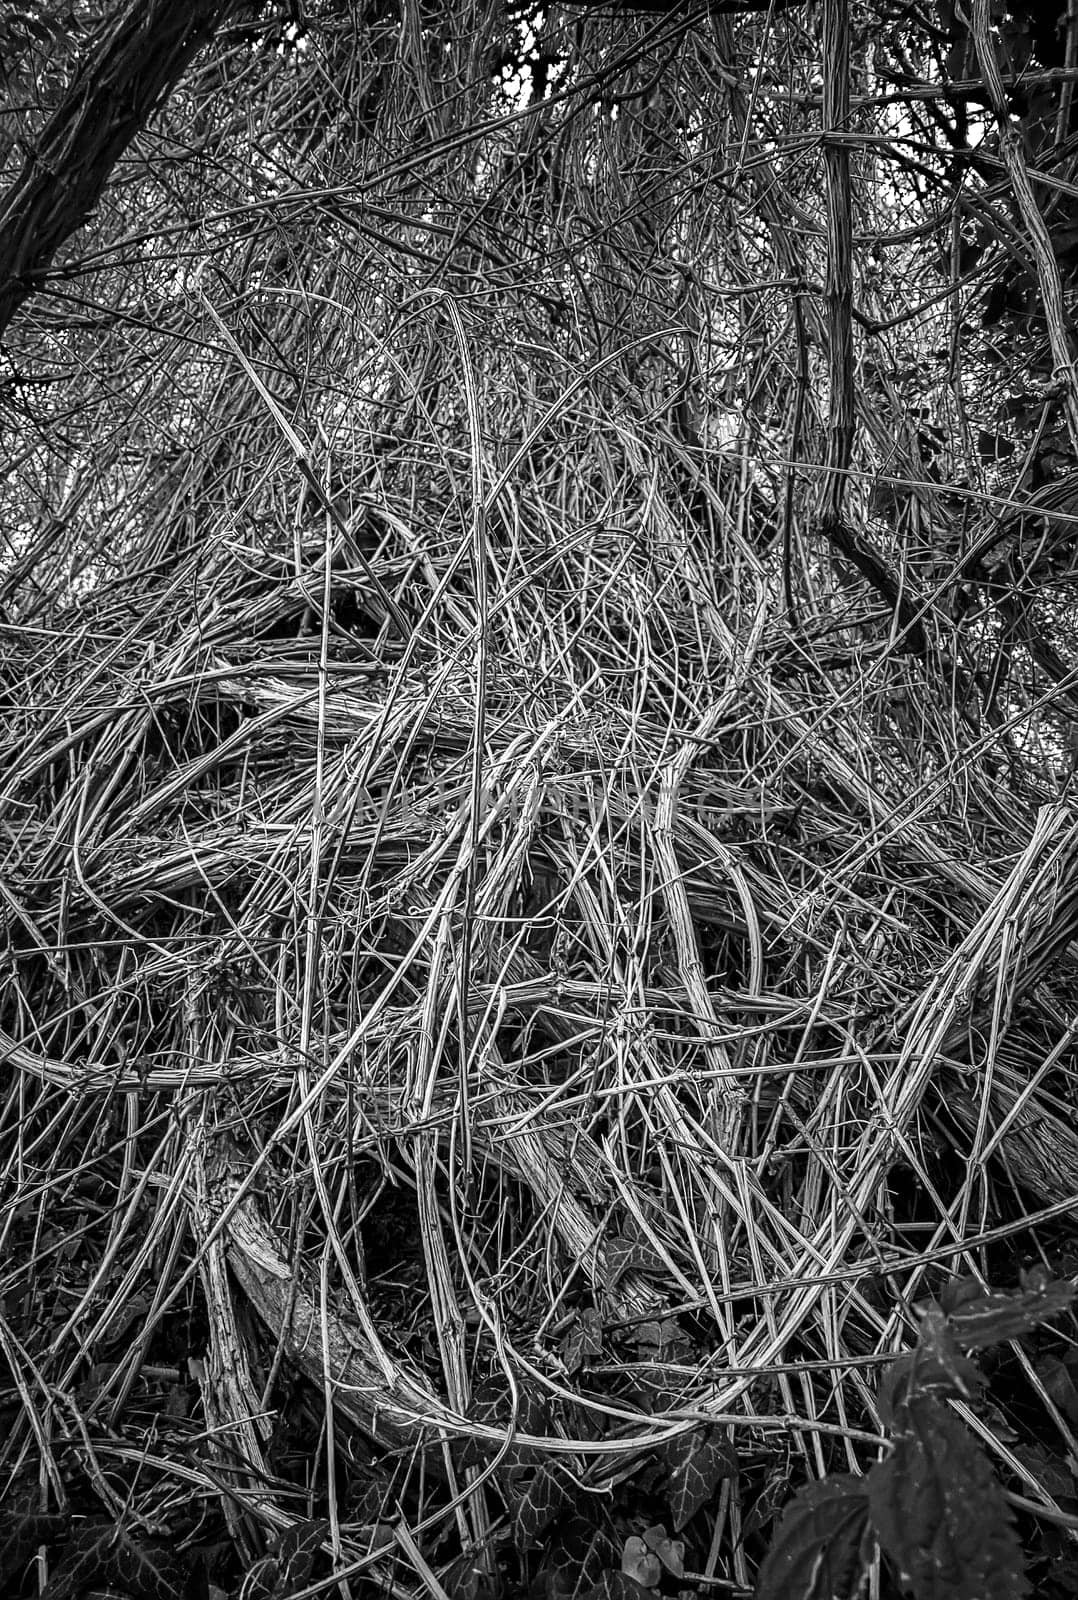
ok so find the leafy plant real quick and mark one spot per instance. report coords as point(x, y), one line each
point(696, 1464)
point(100, 1551)
point(288, 1563)
point(933, 1504)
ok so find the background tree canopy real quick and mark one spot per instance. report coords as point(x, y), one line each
point(539, 650)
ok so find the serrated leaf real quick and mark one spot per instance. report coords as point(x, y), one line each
point(21, 1532)
point(288, 1563)
point(147, 1570)
point(935, 1366)
point(992, 1318)
point(298, 1547)
point(696, 1464)
point(958, 1292)
point(939, 1513)
point(937, 1361)
point(261, 1580)
point(638, 1562)
point(83, 1559)
point(894, 1389)
point(535, 1497)
point(818, 1550)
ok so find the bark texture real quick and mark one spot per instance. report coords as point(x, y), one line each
point(129, 71)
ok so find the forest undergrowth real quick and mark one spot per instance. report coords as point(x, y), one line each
point(538, 1009)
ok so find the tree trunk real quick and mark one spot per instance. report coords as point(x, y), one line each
point(126, 76)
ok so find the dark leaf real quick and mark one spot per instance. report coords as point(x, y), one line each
point(619, 1586)
point(650, 1390)
point(467, 1580)
point(818, 1551)
point(937, 1362)
point(958, 1292)
point(288, 1563)
point(696, 1463)
point(761, 1514)
point(626, 1255)
point(939, 1513)
point(1054, 1472)
point(100, 1550)
point(491, 1403)
point(533, 1412)
point(48, 30)
point(262, 1579)
point(583, 1341)
point(148, 1571)
point(894, 1389)
point(662, 1340)
point(85, 1557)
point(994, 1317)
point(994, 446)
point(1059, 1385)
point(298, 1547)
point(936, 1366)
point(535, 1498)
point(575, 1558)
point(373, 1501)
point(21, 1532)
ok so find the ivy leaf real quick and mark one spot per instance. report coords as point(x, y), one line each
point(533, 1415)
point(583, 1342)
point(575, 1559)
point(696, 1462)
point(535, 1498)
point(626, 1255)
point(491, 1404)
point(661, 1340)
point(939, 1513)
point(818, 1551)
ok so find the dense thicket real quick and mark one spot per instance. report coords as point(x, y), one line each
point(537, 837)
